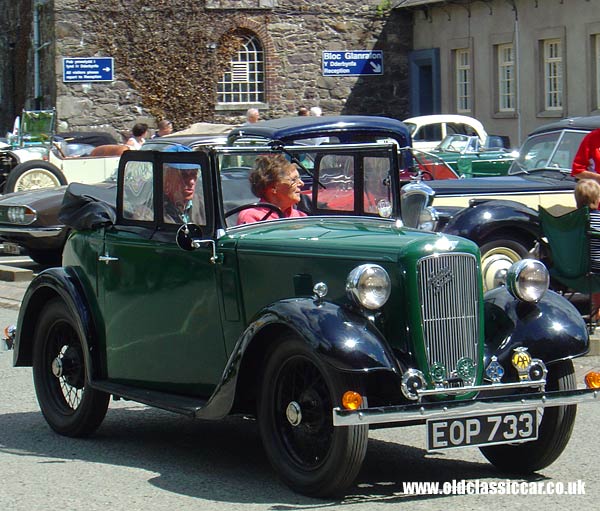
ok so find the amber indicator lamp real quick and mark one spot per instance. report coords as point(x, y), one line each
point(351, 400)
point(592, 380)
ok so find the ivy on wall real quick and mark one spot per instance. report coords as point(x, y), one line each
point(165, 50)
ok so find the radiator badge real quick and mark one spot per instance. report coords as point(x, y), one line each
point(438, 279)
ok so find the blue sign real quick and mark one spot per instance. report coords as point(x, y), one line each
point(353, 63)
point(88, 69)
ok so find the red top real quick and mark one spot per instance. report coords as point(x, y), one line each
point(588, 154)
point(248, 216)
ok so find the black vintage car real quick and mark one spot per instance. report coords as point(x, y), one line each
point(501, 213)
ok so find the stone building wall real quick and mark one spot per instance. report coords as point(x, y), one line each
point(15, 25)
point(166, 67)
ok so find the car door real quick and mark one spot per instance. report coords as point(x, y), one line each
point(161, 307)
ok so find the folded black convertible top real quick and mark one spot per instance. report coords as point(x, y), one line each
point(88, 206)
point(94, 138)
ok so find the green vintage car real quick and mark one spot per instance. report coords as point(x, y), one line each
point(317, 326)
point(468, 157)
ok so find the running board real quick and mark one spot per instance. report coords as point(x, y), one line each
point(189, 406)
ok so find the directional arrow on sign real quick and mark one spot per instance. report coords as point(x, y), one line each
point(107, 69)
point(376, 67)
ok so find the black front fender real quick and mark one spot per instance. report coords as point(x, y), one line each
point(551, 330)
point(346, 340)
point(60, 283)
point(484, 219)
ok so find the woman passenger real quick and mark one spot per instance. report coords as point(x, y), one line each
point(274, 180)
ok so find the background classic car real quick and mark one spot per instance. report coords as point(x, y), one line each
point(428, 131)
point(38, 158)
point(469, 157)
point(318, 326)
point(501, 213)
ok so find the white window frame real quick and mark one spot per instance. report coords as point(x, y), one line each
point(463, 80)
point(506, 77)
point(553, 75)
point(244, 82)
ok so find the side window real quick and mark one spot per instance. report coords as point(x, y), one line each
point(183, 195)
point(429, 133)
point(376, 182)
point(138, 191)
point(459, 129)
point(337, 175)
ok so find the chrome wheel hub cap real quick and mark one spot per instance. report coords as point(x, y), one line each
point(293, 413)
point(57, 367)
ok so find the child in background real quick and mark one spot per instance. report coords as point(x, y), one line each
point(587, 193)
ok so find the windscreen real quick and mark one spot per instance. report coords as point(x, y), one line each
point(555, 150)
point(332, 180)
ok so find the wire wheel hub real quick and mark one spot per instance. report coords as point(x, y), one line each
point(293, 413)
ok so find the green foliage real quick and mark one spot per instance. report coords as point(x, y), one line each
point(383, 7)
point(162, 50)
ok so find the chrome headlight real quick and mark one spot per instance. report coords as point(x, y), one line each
point(528, 280)
point(23, 215)
point(369, 285)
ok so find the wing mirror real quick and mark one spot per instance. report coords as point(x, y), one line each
point(189, 237)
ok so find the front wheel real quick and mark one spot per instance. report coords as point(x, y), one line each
point(553, 433)
point(497, 256)
point(34, 174)
point(297, 394)
point(69, 405)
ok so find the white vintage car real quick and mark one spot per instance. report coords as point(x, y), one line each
point(67, 159)
point(428, 131)
point(34, 156)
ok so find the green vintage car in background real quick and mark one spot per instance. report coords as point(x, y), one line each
point(316, 326)
point(469, 157)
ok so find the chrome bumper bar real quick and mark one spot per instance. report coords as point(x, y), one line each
point(33, 232)
point(454, 409)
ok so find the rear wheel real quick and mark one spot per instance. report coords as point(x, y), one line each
point(553, 434)
point(297, 394)
point(34, 174)
point(497, 256)
point(60, 376)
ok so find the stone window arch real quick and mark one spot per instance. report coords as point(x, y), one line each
point(243, 82)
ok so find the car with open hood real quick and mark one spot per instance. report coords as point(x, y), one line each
point(317, 325)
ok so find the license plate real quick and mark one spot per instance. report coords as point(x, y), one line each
point(11, 248)
point(499, 428)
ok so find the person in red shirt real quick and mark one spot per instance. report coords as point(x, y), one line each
point(586, 164)
point(277, 181)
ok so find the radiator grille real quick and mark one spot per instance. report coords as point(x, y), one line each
point(449, 298)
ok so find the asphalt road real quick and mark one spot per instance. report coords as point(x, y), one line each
point(146, 459)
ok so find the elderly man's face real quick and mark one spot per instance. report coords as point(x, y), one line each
point(179, 185)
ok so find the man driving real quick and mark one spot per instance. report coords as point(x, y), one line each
point(182, 202)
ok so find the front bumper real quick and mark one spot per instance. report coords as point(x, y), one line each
point(454, 409)
point(23, 232)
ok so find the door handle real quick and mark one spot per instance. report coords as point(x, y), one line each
point(107, 259)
